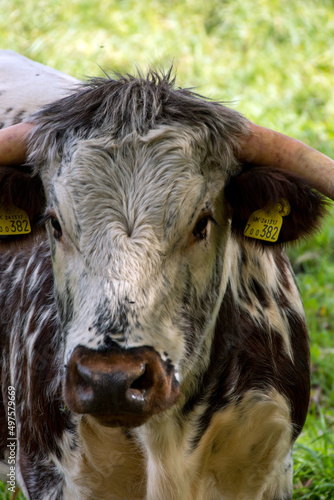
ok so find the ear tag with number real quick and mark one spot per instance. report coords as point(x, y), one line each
point(265, 224)
point(13, 220)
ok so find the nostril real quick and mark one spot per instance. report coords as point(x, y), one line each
point(142, 384)
point(82, 379)
point(84, 374)
point(79, 392)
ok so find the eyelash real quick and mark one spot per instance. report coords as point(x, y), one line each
point(200, 230)
point(54, 223)
point(57, 228)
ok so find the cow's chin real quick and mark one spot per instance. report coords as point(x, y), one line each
point(125, 421)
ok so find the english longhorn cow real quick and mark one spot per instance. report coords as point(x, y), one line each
point(155, 351)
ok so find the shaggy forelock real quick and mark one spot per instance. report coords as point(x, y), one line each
point(123, 105)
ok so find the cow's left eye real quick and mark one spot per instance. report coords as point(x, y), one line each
point(200, 230)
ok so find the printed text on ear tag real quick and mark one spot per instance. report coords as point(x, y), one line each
point(13, 220)
point(265, 224)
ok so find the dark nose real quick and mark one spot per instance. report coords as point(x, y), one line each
point(120, 387)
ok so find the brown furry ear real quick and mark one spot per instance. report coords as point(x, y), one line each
point(260, 187)
point(19, 188)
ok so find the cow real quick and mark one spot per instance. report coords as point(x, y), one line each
point(151, 347)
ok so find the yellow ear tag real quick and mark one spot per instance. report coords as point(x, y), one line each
point(265, 224)
point(13, 220)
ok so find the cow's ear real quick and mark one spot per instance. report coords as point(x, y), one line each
point(22, 204)
point(282, 198)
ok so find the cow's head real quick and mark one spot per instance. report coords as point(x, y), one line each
point(142, 195)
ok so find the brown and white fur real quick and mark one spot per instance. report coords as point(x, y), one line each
point(144, 204)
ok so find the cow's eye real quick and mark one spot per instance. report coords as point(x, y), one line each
point(57, 228)
point(200, 230)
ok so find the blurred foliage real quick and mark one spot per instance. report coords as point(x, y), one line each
point(314, 458)
point(274, 62)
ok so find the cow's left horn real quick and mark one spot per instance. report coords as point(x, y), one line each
point(13, 144)
point(263, 146)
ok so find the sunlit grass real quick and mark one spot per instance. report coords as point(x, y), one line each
point(274, 60)
point(314, 458)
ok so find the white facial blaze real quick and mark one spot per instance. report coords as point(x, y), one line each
point(128, 266)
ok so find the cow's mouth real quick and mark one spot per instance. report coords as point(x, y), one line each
point(119, 387)
point(126, 421)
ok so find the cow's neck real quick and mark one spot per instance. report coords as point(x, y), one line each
point(167, 451)
point(171, 440)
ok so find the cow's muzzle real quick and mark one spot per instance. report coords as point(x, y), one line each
point(119, 387)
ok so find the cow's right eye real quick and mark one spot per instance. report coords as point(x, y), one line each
point(57, 228)
point(201, 228)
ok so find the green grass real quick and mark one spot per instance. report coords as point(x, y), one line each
point(274, 60)
point(313, 262)
point(5, 495)
point(314, 458)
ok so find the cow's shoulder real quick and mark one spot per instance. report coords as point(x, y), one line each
point(247, 446)
point(31, 344)
point(260, 340)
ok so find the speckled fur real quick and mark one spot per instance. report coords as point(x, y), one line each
point(128, 167)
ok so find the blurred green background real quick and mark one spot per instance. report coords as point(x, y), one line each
point(273, 60)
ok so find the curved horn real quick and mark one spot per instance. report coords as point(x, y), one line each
point(266, 147)
point(13, 144)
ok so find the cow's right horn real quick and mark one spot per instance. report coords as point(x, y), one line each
point(13, 144)
point(263, 146)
